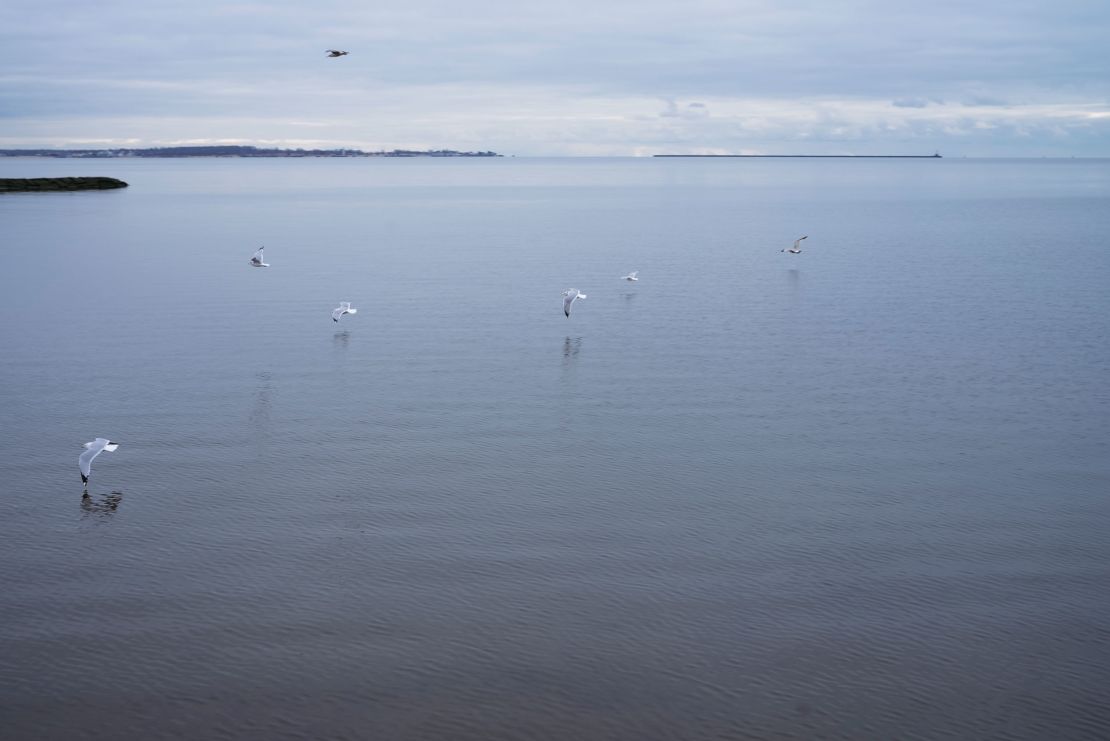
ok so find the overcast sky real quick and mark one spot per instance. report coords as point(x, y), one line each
point(562, 77)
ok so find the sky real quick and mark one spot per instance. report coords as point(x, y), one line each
point(986, 78)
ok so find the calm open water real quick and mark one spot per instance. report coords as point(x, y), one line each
point(861, 492)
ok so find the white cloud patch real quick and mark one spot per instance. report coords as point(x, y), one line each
point(688, 110)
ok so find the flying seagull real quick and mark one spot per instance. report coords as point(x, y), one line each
point(92, 450)
point(795, 249)
point(337, 53)
point(256, 260)
point(632, 276)
point(569, 296)
point(343, 308)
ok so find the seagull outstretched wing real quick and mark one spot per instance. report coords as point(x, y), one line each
point(569, 296)
point(92, 450)
point(343, 308)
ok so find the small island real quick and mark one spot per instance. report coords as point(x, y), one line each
point(34, 185)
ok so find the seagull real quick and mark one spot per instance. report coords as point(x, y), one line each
point(568, 298)
point(336, 53)
point(256, 260)
point(632, 276)
point(795, 249)
point(343, 308)
point(92, 450)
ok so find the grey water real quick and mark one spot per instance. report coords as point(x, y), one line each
point(860, 492)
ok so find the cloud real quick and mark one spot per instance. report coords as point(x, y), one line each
point(688, 111)
point(910, 103)
point(566, 77)
point(983, 100)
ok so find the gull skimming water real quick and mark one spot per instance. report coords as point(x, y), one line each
point(795, 249)
point(632, 276)
point(569, 296)
point(92, 450)
point(337, 53)
point(256, 259)
point(343, 308)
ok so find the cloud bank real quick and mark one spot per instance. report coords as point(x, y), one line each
point(569, 78)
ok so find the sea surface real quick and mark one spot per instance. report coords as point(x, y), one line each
point(858, 493)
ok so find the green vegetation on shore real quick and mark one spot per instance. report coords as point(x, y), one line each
point(16, 185)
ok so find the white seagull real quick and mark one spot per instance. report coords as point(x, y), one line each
point(343, 308)
point(632, 275)
point(795, 249)
point(568, 298)
point(336, 53)
point(256, 259)
point(92, 450)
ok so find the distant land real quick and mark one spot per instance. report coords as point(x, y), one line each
point(18, 185)
point(934, 156)
point(236, 151)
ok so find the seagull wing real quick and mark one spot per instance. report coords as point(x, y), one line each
point(633, 274)
point(85, 461)
point(93, 449)
point(336, 313)
point(257, 256)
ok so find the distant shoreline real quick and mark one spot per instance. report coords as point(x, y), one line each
point(819, 156)
point(234, 151)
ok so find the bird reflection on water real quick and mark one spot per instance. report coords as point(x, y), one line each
point(340, 339)
point(570, 349)
point(258, 415)
point(260, 409)
point(102, 507)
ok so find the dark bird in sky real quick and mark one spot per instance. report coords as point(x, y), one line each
point(337, 53)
